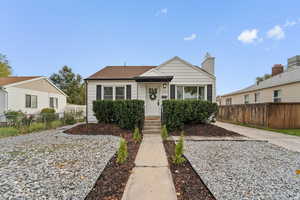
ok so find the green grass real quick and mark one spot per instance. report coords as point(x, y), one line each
point(34, 127)
point(295, 132)
point(8, 131)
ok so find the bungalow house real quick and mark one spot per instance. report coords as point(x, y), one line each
point(282, 86)
point(173, 79)
point(30, 94)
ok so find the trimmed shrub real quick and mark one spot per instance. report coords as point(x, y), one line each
point(178, 112)
point(122, 152)
point(164, 132)
point(127, 114)
point(69, 118)
point(137, 137)
point(178, 157)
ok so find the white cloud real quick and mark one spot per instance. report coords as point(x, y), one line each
point(290, 23)
point(276, 33)
point(163, 11)
point(249, 36)
point(191, 37)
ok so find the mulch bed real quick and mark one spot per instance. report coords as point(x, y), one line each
point(100, 129)
point(207, 130)
point(111, 183)
point(187, 183)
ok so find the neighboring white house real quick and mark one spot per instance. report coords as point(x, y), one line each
point(173, 79)
point(283, 86)
point(30, 94)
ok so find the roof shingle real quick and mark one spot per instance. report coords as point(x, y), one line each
point(15, 79)
point(120, 72)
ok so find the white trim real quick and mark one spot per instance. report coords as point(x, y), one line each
point(35, 79)
point(188, 64)
point(114, 91)
point(191, 85)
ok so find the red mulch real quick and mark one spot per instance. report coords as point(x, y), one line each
point(207, 130)
point(187, 183)
point(100, 129)
point(111, 183)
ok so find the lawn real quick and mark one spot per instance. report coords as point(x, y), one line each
point(295, 132)
point(8, 131)
point(34, 127)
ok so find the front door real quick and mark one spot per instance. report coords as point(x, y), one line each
point(153, 101)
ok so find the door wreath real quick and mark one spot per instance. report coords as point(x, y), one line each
point(152, 93)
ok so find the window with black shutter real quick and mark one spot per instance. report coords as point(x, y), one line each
point(99, 92)
point(172, 91)
point(209, 93)
point(128, 91)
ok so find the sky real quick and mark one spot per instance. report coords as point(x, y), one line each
point(246, 37)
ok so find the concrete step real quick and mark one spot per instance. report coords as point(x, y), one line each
point(152, 127)
point(152, 122)
point(151, 131)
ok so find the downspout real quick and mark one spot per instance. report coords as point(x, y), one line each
point(86, 101)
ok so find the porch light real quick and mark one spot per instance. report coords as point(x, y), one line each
point(164, 85)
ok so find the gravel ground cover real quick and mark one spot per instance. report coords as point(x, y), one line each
point(52, 165)
point(246, 170)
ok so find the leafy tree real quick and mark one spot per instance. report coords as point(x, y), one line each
point(5, 69)
point(71, 84)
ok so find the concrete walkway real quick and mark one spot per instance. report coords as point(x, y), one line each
point(151, 178)
point(287, 141)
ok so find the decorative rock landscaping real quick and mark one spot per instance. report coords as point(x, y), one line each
point(246, 169)
point(52, 165)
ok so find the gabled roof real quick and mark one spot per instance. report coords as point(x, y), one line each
point(287, 77)
point(120, 72)
point(15, 79)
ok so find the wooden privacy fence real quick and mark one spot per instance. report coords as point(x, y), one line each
point(269, 115)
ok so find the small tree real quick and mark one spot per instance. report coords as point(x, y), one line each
point(137, 137)
point(178, 157)
point(122, 152)
point(164, 132)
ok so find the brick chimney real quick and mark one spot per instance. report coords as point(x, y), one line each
point(277, 69)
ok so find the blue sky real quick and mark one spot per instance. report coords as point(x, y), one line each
point(246, 37)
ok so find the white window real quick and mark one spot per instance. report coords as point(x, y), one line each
point(179, 92)
point(31, 101)
point(190, 92)
point(53, 102)
point(120, 93)
point(108, 93)
point(256, 97)
point(246, 99)
point(201, 93)
point(277, 96)
point(228, 101)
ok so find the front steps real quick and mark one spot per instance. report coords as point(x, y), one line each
point(152, 125)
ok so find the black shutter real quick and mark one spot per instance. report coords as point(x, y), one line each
point(99, 92)
point(128, 91)
point(209, 93)
point(172, 92)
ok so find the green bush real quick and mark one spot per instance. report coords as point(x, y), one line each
point(127, 114)
point(164, 132)
point(137, 137)
point(122, 152)
point(178, 157)
point(69, 118)
point(14, 118)
point(178, 112)
point(48, 115)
